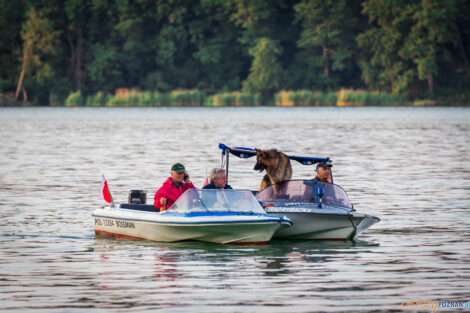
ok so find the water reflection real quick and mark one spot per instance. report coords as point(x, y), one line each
point(278, 258)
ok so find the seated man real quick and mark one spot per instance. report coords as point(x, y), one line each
point(323, 172)
point(173, 187)
point(324, 176)
point(218, 180)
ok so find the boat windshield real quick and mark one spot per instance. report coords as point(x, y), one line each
point(217, 200)
point(304, 191)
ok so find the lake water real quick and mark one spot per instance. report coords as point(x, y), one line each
point(408, 166)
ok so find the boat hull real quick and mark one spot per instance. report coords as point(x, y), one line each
point(241, 229)
point(322, 224)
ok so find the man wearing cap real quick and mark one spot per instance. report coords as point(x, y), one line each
point(323, 172)
point(173, 187)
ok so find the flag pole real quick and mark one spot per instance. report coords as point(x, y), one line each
point(112, 200)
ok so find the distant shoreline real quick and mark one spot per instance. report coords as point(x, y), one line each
point(124, 97)
point(438, 105)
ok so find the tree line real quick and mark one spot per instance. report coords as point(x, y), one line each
point(52, 48)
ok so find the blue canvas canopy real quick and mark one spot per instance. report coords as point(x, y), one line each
point(246, 153)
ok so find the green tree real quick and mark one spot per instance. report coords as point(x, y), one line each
point(328, 25)
point(39, 41)
point(12, 13)
point(381, 63)
point(170, 41)
point(105, 69)
point(410, 41)
point(433, 34)
point(220, 56)
point(269, 24)
point(77, 13)
point(105, 61)
point(266, 71)
point(135, 37)
point(255, 17)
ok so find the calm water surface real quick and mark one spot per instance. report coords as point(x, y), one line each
point(409, 166)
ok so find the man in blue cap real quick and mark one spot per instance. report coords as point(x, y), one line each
point(323, 172)
point(173, 187)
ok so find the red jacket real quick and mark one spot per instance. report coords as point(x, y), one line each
point(171, 192)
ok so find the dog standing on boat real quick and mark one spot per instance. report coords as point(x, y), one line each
point(276, 164)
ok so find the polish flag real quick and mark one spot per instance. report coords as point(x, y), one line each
point(104, 191)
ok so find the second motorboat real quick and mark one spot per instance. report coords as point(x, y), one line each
point(319, 210)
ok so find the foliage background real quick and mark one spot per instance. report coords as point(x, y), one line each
point(417, 48)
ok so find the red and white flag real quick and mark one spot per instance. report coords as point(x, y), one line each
point(104, 191)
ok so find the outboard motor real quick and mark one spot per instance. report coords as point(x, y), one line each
point(137, 197)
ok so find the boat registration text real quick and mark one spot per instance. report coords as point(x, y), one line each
point(112, 223)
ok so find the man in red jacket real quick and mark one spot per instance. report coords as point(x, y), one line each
point(173, 187)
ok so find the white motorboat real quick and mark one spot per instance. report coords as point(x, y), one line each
point(219, 216)
point(319, 211)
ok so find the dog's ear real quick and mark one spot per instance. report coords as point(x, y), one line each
point(261, 153)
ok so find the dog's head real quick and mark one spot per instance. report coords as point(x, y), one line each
point(264, 159)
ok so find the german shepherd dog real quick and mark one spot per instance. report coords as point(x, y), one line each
point(276, 164)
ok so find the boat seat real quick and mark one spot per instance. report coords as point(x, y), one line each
point(139, 207)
